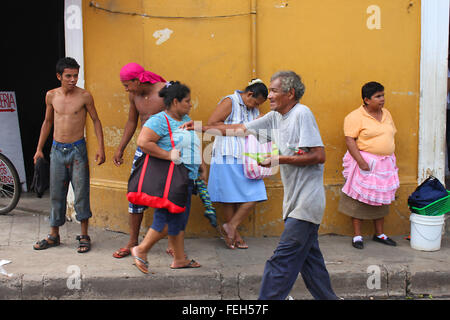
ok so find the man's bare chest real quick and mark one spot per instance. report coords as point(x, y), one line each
point(68, 106)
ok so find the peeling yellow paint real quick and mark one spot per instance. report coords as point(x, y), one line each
point(215, 69)
point(112, 136)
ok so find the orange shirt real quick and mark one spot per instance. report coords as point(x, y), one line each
point(371, 135)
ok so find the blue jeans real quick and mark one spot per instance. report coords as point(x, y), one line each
point(69, 163)
point(297, 251)
point(176, 222)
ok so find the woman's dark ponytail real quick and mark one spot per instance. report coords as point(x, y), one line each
point(173, 90)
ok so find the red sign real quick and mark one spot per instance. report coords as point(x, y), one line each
point(5, 174)
point(7, 102)
point(9, 127)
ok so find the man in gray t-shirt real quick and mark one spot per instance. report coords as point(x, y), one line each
point(293, 128)
point(304, 196)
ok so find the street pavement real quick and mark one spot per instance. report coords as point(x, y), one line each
point(377, 272)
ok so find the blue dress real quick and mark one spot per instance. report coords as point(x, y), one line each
point(227, 182)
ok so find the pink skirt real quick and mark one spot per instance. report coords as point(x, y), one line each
point(375, 187)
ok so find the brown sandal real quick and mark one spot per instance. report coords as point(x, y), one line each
point(229, 242)
point(83, 244)
point(44, 244)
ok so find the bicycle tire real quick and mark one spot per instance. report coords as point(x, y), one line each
point(10, 192)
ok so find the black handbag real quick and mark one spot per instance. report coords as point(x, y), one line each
point(159, 183)
point(41, 177)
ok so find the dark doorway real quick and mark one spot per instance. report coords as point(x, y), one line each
point(32, 42)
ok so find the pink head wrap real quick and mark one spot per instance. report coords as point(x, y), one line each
point(133, 70)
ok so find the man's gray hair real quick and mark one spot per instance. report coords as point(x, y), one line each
point(290, 80)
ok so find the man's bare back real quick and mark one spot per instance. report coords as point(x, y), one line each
point(148, 104)
point(144, 102)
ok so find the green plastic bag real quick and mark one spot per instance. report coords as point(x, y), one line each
point(260, 157)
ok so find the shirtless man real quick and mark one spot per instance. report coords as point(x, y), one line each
point(143, 88)
point(66, 110)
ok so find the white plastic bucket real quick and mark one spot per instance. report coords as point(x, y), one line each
point(426, 232)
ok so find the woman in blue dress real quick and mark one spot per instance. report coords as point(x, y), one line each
point(227, 183)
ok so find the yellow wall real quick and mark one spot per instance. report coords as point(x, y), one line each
point(327, 42)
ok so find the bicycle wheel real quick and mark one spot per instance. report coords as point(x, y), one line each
point(10, 186)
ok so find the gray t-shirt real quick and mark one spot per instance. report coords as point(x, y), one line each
point(304, 194)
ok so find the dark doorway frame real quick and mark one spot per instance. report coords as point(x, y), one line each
point(33, 41)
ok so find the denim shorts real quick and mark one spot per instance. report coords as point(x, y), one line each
point(176, 222)
point(69, 164)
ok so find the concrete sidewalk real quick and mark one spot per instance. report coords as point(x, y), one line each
point(62, 273)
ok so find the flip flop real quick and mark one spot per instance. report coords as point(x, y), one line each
point(140, 263)
point(229, 242)
point(122, 253)
point(188, 266)
point(139, 266)
point(241, 244)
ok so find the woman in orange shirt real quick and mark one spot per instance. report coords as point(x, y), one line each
point(370, 166)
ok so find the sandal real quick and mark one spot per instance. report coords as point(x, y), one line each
point(122, 253)
point(140, 263)
point(83, 244)
point(44, 244)
point(191, 264)
point(229, 242)
point(241, 244)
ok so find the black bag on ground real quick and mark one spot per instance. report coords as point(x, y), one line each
point(428, 192)
point(41, 177)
